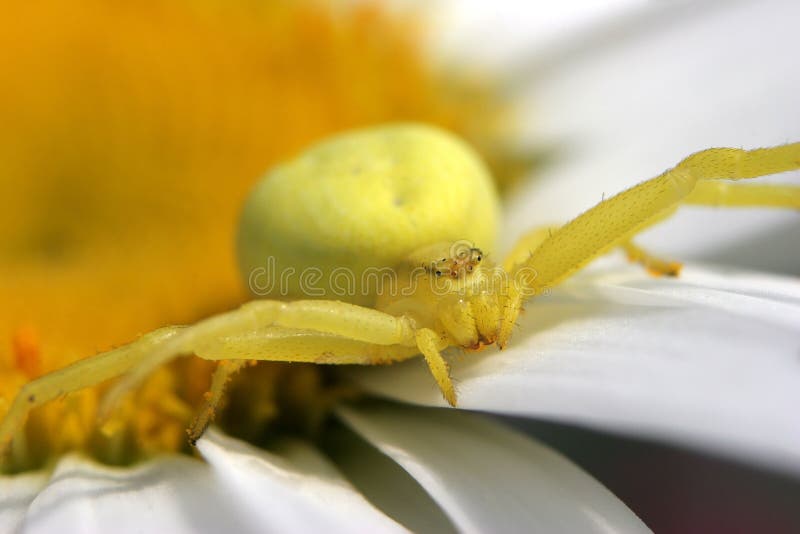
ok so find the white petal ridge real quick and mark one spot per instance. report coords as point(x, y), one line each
point(18, 491)
point(386, 484)
point(488, 478)
point(297, 490)
point(172, 494)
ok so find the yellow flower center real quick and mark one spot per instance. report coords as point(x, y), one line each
point(132, 134)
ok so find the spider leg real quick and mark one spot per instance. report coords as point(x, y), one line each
point(429, 344)
point(283, 344)
point(280, 344)
point(721, 193)
point(222, 375)
point(616, 220)
point(81, 374)
point(715, 193)
point(526, 244)
point(655, 265)
point(348, 321)
point(524, 247)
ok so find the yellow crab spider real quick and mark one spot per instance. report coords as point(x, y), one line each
point(363, 247)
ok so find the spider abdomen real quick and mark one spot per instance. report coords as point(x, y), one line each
point(319, 225)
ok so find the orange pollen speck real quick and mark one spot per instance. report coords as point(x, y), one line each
point(27, 351)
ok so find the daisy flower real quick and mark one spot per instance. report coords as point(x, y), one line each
point(137, 131)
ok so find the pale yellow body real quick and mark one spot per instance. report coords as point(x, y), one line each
point(360, 201)
point(402, 197)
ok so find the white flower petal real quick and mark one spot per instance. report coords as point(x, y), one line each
point(487, 477)
point(296, 491)
point(709, 359)
point(627, 109)
point(386, 484)
point(17, 493)
point(174, 494)
point(519, 28)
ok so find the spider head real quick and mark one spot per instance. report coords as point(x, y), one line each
point(452, 287)
point(449, 267)
point(462, 261)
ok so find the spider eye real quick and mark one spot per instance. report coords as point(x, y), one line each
point(479, 257)
point(438, 273)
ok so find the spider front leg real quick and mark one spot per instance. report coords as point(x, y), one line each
point(322, 332)
point(319, 331)
point(615, 221)
point(79, 375)
point(430, 344)
point(342, 319)
point(282, 344)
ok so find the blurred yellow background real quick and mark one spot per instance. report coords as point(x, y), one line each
point(132, 131)
point(131, 134)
